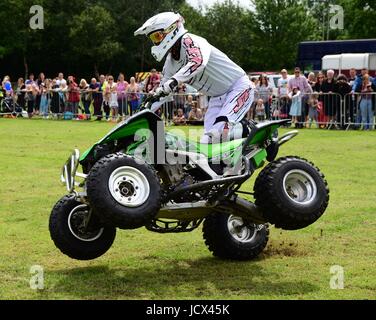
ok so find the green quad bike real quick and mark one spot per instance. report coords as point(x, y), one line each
point(127, 183)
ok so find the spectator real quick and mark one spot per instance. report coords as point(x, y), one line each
point(311, 79)
point(180, 96)
point(283, 93)
point(153, 81)
point(264, 91)
point(179, 118)
point(366, 102)
point(44, 90)
point(30, 81)
point(318, 86)
point(20, 92)
point(344, 90)
point(195, 114)
point(57, 101)
point(73, 96)
point(96, 89)
point(41, 86)
point(313, 113)
point(122, 86)
point(64, 94)
point(296, 105)
point(357, 86)
point(255, 81)
point(106, 96)
point(60, 80)
point(112, 98)
point(260, 110)
point(352, 78)
point(188, 105)
point(86, 97)
point(7, 86)
point(133, 95)
point(301, 82)
point(31, 93)
point(331, 101)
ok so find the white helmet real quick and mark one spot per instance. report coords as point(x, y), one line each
point(164, 30)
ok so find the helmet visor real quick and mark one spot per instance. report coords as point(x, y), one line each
point(157, 37)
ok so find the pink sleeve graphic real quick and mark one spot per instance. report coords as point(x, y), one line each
point(194, 54)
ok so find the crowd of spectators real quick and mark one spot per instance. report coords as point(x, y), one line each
point(317, 98)
point(322, 98)
point(105, 97)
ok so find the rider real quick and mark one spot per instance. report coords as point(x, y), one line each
point(192, 60)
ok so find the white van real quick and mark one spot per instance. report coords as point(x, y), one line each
point(345, 62)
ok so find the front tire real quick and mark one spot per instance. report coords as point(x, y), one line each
point(292, 193)
point(126, 192)
point(230, 237)
point(77, 232)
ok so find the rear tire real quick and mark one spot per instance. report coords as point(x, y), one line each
point(126, 192)
point(77, 242)
point(228, 237)
point(292, 193)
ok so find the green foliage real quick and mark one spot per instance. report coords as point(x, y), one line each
point(360, 17)
point(280, 26)
point(83, 35)
point(229, 27)
point(94, 31)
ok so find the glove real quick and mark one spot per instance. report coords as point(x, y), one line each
point(169, 86)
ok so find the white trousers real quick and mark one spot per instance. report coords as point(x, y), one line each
point(233, 106)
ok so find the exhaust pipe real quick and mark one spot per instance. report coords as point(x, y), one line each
point(248, 210)
point(191, 211)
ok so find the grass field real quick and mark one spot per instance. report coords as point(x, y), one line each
point(143, 265)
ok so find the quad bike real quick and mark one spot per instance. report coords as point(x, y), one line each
point(127, 183)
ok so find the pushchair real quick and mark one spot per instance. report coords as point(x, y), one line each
point(9, 108)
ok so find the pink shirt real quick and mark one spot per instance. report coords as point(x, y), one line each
point(121, 89)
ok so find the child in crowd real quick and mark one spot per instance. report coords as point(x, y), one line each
point(179, 118)
point(260, 110)
point(313, 114)
point(296, 105)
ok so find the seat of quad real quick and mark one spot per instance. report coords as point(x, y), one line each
point(216, 149)
point(259, 133)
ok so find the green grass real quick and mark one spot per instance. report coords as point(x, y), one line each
point(144, 265)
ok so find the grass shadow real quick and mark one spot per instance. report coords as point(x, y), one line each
point(206, 278)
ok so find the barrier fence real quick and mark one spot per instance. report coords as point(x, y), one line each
point(322, 110)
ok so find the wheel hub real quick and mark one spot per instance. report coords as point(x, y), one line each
point(241, 231)
point(129, 187)
point(300, 187)
point(80, 223)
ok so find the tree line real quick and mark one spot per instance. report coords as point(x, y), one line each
point(86, 37)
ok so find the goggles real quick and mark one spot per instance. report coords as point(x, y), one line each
point(158, 36)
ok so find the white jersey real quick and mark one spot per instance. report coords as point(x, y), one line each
point(202, 66)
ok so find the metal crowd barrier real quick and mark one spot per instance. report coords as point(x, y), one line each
point(351, 111)
point(323, 110)
point(359, 111)
point(98, 105)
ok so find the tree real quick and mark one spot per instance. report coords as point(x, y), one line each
point(93, 32)
point(228, 27)
point(360, 17)
point(280, 26)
